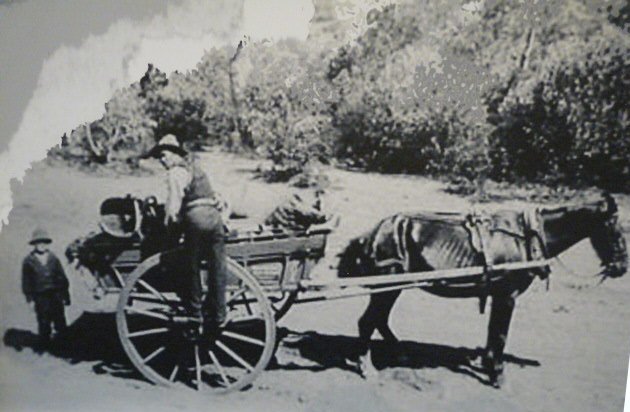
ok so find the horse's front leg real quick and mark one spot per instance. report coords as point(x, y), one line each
point(498, 327)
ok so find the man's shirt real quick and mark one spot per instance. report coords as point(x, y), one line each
point(177, 179)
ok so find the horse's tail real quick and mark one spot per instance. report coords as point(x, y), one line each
point(358, 257)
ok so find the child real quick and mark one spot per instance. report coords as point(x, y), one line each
point(45, 283)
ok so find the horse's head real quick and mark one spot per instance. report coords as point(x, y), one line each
point(355, 259)
point(607, 238)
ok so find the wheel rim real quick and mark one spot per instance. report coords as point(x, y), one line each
point(167, 346)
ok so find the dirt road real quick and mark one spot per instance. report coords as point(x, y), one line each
point(568, 348)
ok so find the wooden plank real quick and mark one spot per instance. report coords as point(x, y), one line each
point(292, 245)
point(261, 247)
point(252, 236)
point(428, 276)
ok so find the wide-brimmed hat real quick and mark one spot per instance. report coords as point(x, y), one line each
point(40, 236)
point(168, 142)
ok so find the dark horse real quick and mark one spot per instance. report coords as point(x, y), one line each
point(432, 241)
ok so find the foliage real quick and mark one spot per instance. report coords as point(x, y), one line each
point(393, 119)
point(575, 127)
point(282, 109)
point(509, 90)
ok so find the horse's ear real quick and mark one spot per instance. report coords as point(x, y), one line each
point(611, 204)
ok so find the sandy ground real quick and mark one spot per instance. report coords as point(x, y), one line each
point(567, 351)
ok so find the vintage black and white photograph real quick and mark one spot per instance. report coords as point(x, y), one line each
point(314, 205)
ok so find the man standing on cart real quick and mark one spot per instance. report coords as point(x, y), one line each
point(191, 202)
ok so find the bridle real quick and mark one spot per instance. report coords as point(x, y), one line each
point(609, 223)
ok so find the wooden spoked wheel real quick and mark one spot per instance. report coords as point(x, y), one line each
point(170, 347)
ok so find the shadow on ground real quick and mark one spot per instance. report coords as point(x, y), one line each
point(334, 351)
point(91, 338)
point(94, 338)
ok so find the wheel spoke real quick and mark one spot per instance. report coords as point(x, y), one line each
point(151, 289)
point(198, 367)
point(147, 332)
point(219, 368)
point(153, 354)
point(173, 373)
point(243, 338)
point(151, 298)
point(146, 313)
point(234, 356)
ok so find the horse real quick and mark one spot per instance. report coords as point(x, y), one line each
point(428, 241)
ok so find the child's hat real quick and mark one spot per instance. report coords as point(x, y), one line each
point(40, 235)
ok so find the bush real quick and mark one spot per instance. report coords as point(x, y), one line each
point(574, 129)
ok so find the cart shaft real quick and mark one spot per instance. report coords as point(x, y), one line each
point(432, 276)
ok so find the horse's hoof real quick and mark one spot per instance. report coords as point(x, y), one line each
point(367, 369)
point(369, 374)
point(497, 380)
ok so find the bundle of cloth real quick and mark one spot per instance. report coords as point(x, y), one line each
point(119, 227)
point(298, 213)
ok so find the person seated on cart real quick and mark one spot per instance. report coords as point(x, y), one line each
point(299, 212)
point(191, 202)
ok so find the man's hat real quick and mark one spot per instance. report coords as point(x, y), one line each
point(167, 142)
point(40, 236)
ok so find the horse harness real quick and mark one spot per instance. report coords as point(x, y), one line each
point(525, 227)
point(530, 238)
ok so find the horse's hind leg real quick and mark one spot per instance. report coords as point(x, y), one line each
point(385, 304)
point(367, 325)
point(376, 316)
